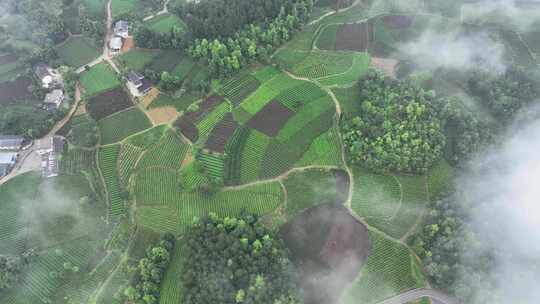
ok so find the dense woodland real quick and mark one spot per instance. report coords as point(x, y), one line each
point(236, 260)
point(11, 268)
point(399, 127)
point(149, 273)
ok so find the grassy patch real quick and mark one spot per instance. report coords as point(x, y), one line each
point(137, 59)
point(98, 79)
point(327, 38)
point(121, 125)
point(163, 24)
point(325, 150)
point(77, 51)
point(359, 67)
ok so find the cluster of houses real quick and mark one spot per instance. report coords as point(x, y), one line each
point(9, 152)
point(121, 32)
point(53, 83)
point(49, 149)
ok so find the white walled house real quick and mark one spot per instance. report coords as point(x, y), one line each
point(54, 99)
point(115, 44)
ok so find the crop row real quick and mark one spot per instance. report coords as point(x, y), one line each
point(258, 199)
point(211, 120)
point(167, 153)
point(108, 158)
point(159, 218)
point(325, 150)
point(390, 270)
point(359, 67)
point(237, 89)
point(233, 156)
point(76, 160)
point(295, 98)
point(156, 186)
point(252, 155)
point(127, 160)
point(213, 164)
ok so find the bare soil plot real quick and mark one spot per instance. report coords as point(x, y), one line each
point(205, 107)
point(354, 36)
point(12, 91)
point(386, 65)
point(150, 97)
point(398, 21)
point(271, 118)
point(162, 115)
point(329, 247)
point(220, 135)
point(107, 103)
point(7, 58)
point(187, 128)
point(129, 43)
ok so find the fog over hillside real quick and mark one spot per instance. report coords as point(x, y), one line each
point(506, 218)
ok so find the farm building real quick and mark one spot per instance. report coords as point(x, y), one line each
point(7, 161)
point(48, 77)
point(54, 99)
point(11, 142)
point(50, 149)
point(115, 44)
point(121, 29)
point(138, 85)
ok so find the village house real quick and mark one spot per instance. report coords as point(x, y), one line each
point(11, 142)
point(48, 77)
point(138, 85)
point(50, 149)
point(115, 44)
point(121, 29)
point(7, 162)
point(54, 99)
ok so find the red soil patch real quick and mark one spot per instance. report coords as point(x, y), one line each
point(398, 21)
point(205, 107)
point(386, 65)
point(8, 58)
point(220, 135)
point(271, 118)
point(354, 37)
point(129, 43)
point(187, 128)
point(12, 91)
point(108, 103)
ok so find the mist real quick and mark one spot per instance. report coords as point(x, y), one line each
point(509, 12)
point(503, 188)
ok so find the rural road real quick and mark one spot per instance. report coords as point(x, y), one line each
point(165, 10)
point(416, 294)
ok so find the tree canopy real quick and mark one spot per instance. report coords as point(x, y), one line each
point(399, 127)
point(236, 260)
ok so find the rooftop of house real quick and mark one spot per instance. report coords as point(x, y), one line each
point(4, 169)
point(145, 86)
point(42, 70)
point(10, 141)
point(56, 97)
point(58, 144)
point(8, 158)
point(50, 144)
point(116, 43)
point(134, 76)
point(121, 26)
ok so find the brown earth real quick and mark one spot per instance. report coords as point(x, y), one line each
point(398, 21)
point(271, 118)
point(328, 247)
point(187, 128)
point(162, 115)
point(12, 91)
point(129, 43)
point(354, 36)
point(108, 103)
point(205, 107)
point(7, 58)
point(220, 135)
point(147, 99)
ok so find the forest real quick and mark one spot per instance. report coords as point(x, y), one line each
point(236, 260)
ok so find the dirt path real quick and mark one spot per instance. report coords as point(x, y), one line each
point(165, 10)
point(335, 12)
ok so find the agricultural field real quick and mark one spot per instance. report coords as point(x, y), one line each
point(108, 158)
point(117, 127)
point(108, 103)
point(98, 79)
point(136, 7)
point(77, 51)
